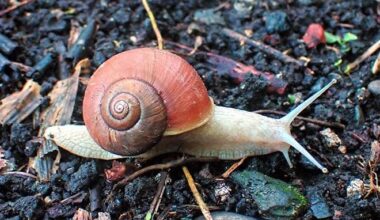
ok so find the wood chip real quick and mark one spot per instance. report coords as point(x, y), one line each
point(19, 105)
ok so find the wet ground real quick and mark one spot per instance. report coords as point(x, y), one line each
point(44, 26)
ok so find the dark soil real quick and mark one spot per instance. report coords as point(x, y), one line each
point(43, 27)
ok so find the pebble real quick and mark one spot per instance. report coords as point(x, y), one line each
point(209, 16)
point(244, 7)
point(227, 215)
point(330, 138)
point(355, 188)
point(342, 149)
point(275, 198)
point(374, 87)
point(222, 191)
point(319, 206)
point(276, 22)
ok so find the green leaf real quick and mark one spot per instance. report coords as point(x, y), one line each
point(344, 48)
point(347, 37)
point(338, 62)
point(330, 38)
point(292, 99)
point(347, 70)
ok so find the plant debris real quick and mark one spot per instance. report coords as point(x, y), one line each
point(3, 162)
point(116, 172)
point(314, 35)
point(19, 105)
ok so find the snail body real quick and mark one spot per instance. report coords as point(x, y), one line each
point(146, 102)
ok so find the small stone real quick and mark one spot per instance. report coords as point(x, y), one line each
point(226, 215)
point(314, 35)
point(374, 87)
point(243, 7)
point(356, 188)
point(222, 191)
point(308, 2)
point(318, 206)
point(330, 138)
point(276, 22)
point(275, 198)
point(342, 149)
point(121, 16)
point(209, 16)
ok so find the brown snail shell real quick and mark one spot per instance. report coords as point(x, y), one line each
point(137, 96)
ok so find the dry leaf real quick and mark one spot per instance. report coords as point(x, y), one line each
point(74, 33)
point(47, 160)
point(315, 34)
point(82, 214)
point(59, 112)
point(62, 99)
point(20, 105)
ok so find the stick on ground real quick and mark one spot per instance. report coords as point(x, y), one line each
point(233, 168)
point(362, 57)
point(198, 198)
point(14, 7)
point(162, 166)
point(266, 49)
point(157, 198)
point(160, 41)
point(311, 120)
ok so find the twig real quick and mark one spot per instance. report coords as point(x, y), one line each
point(157, 198)
point(376, 66)
point(233, 168)
point(41, 67)
point(154, 24)
point(19, 173)
point(20, 66)
point(79, 49)
point(162, 166)
point(198, 198)
point(362, 57)
point(265, 48)
point(13, 7)
point(14, 65)
point(311, 120)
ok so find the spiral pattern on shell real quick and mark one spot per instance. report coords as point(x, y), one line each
point(137, 96)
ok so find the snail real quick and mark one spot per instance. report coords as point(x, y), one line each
point(146, 102)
